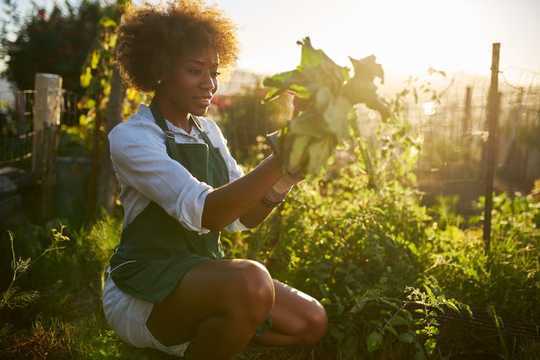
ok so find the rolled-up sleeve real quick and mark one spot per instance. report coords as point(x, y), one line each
point(235, 171)
point(141, 161)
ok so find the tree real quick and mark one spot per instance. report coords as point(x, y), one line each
point(107, 101)
point(57, 42)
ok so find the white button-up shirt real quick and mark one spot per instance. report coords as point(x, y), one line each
point(147, 173)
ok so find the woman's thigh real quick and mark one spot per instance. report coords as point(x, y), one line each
point(209, 289)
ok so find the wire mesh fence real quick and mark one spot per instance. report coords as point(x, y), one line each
point(453, 156)
point(454, 130)
point(16, 126)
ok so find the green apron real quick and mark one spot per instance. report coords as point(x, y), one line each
point(155, 250)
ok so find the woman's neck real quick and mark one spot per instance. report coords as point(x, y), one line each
point(170, 112)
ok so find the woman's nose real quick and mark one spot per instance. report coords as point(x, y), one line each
point(209, 82)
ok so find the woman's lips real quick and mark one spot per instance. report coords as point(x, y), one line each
point(203, 101)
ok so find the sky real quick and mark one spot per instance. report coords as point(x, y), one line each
point(406, 36)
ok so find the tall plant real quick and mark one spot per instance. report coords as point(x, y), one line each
point(104, 100)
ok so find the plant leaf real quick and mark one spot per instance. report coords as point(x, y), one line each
point(309, 124)
point(407, 338)
point(374, 341)
point(319, 152)
point(335, 116)
point(298, 151)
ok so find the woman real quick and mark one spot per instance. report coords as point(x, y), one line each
point(168, 285)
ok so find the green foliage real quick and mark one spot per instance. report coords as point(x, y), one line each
point(327, 94)
point(65, 321)
point(346, 253)
point(95, 79)
point(444, 212)
point(74, 141)
point(89, 250)
point(390, 154)
point(386, 272)
point(393, 274)
point(513, 263)
point(243, 117)
point(420, 90)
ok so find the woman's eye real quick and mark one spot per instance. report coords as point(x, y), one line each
point(199, 72)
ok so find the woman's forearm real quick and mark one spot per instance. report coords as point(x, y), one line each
point(255, 215)
point(233, 200)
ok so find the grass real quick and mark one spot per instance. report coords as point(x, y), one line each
point(63, 317)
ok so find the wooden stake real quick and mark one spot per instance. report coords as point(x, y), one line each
point(491, 145)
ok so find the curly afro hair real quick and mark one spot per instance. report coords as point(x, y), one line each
point(152, 37)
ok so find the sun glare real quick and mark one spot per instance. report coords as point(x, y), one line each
point(407, 37)
point(410, 36)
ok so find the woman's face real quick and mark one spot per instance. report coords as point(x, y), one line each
point(193, 82)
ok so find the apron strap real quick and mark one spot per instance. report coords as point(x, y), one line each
point(170, 143)
point(169, 135)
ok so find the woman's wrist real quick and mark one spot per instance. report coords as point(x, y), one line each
point(287, 181)
point(273, 198)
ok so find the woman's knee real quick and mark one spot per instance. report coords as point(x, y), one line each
point(251, 291)
point(316, 324)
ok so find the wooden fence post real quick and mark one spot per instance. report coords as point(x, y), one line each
point(494, 101)
point(46, 121)
point(518, 113)
point(466, 125)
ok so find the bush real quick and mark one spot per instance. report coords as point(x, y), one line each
point(399, 280)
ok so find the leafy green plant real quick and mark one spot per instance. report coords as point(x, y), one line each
point(328, 94)
point(444, 211)
point(399, 280)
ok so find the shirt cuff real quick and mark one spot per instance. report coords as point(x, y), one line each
point(191, 209)
point(236, 226)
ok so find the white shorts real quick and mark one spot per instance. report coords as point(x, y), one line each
point(128, 315)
